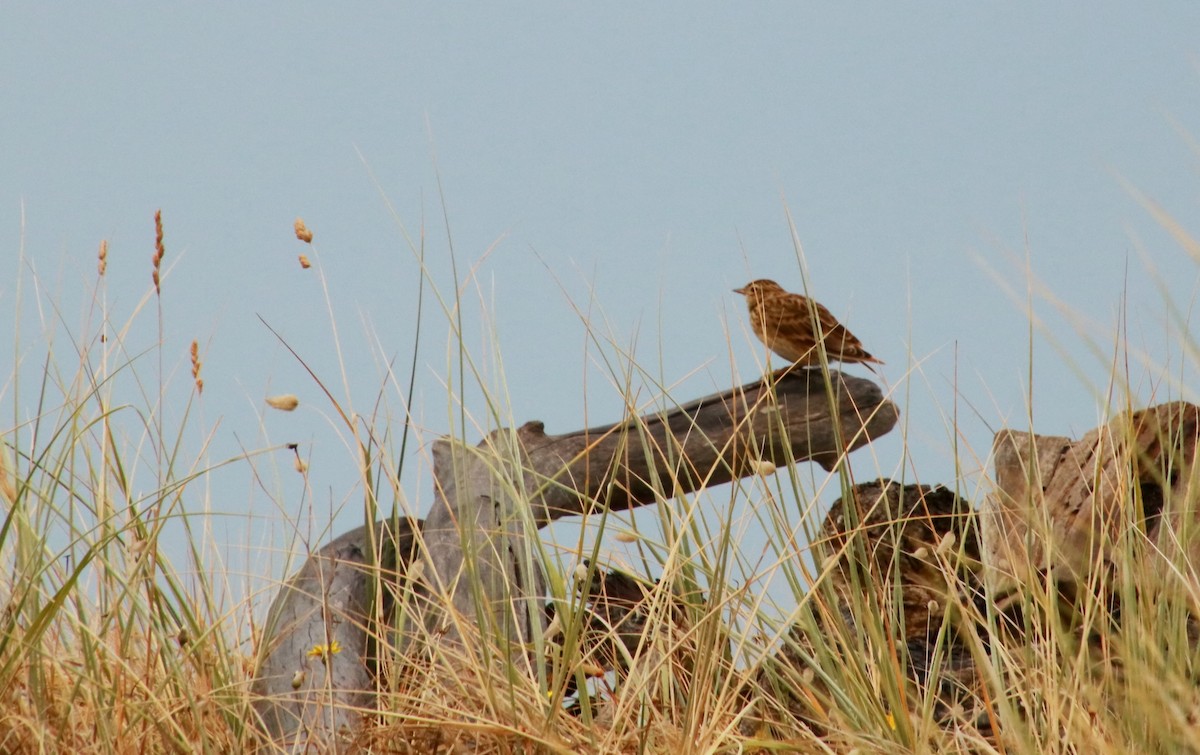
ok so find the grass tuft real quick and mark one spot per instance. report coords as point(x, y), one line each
point(689, 639)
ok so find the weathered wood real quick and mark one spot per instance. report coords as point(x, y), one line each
point(491, 498)
point(923, 538)
point(479, 537)
point(912, 542)
point(783, 419)
point(308, 692)
point(1059, 507)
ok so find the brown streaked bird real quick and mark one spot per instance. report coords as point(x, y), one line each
point(784, 322)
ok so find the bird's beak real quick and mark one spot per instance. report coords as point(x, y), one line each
point(741, 291)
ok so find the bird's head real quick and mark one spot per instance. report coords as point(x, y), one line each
point(759, 289)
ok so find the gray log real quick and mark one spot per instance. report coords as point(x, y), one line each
point(310, 702)
point(1060, 507)
point(479, 539)
point(491, 498)
point(917, 560)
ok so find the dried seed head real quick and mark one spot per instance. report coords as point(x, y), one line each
point(625, 536)
point(196, 365)
point(159, 250)
point(300, 465)
point(284, 403)
point(298, 679)
point(762, 467)
point(103, 264)
point(591, 670)
point(946, 543)
point(304, 263)
point(302, 231)
point(554, 630)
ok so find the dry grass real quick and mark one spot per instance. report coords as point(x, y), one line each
point(106, 647)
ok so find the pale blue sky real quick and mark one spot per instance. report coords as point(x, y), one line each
point(641, 156)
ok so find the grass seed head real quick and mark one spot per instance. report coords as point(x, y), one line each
point(762, 467)
point(946, 543)
point(300, 464)
point(302, 231)
point(284, 403)
point(196, 365)
point(159, 250)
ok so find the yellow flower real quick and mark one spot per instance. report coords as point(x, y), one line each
point(324, 651)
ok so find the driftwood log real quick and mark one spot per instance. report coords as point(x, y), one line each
point(1063, 509)
point(316, 671)
point(489, 498)
point(477, 541)
point(1062, 514)
point(924, 537)
point(908, 553)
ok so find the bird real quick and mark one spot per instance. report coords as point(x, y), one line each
point(785, 323)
